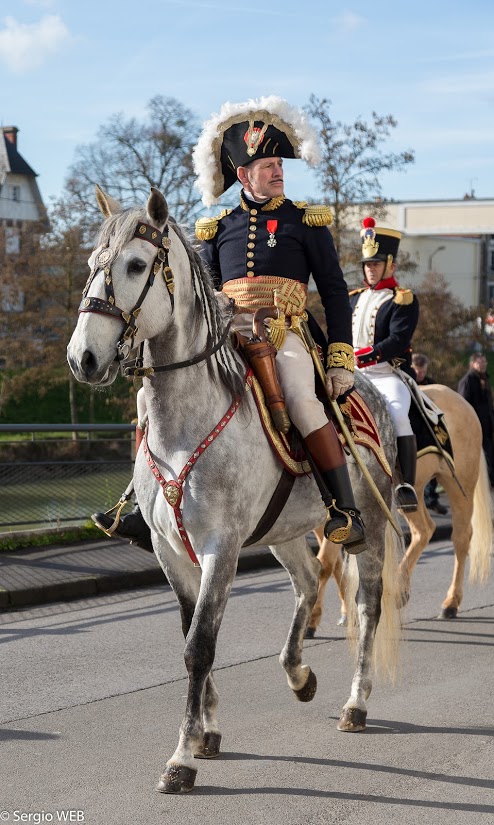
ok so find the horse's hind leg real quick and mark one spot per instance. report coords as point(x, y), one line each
point(303, 569)
point(461, 536)
point(368, 607)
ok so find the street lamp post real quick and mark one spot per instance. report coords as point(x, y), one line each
point(439, 249)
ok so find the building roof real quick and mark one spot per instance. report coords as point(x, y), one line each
point(10, 159)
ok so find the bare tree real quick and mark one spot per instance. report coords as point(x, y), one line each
point(352, 163)
point(446, 329)
point(130, 156)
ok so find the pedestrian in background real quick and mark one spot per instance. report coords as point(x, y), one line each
point(420, 364)
point(476, 389)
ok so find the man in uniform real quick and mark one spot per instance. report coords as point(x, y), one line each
point(384, 320)
point(261, 254)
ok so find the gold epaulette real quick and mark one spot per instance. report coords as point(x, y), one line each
point(206, 228)
point(358, 290)
point(404, 297)
point(317, 215)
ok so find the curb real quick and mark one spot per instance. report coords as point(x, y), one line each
point(149, 574)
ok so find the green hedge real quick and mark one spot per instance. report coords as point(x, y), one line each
point(50, 405)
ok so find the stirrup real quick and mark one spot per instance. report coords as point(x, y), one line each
point(406, 498)
point(118, 507)
point(342, 533)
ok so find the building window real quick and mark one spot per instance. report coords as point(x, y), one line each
point(16, 193)
point(492, 261)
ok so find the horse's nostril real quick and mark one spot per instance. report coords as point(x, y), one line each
point(88, 362)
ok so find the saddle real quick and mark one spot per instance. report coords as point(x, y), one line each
point(282, 435)
point(428, 424)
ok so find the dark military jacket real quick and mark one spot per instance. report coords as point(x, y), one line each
point(391, 323)
point(235, 245)
point(476, 389)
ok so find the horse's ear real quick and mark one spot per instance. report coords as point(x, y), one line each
point(157, 207)
point(107, 204)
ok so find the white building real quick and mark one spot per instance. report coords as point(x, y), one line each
point(20, 198)
point(454, 238)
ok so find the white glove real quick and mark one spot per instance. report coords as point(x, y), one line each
point(338, 381)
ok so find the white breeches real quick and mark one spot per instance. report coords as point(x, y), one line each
point(395, 392)
point(296, 373)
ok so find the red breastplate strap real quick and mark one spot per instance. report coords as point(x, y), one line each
point(173, 490)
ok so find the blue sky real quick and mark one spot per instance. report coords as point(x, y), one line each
point(67, 65)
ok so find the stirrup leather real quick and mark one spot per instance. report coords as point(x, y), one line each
point(340, 534)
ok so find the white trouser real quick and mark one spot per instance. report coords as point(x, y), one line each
point(296, 373)
point(396, 394)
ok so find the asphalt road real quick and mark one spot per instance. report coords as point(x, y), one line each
point(93, 694)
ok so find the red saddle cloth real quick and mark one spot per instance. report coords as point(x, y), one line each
point(289, 449)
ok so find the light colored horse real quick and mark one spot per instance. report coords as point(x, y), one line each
point(471, 512)
point(203, 423)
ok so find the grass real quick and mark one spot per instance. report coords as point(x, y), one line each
point(69, 535)
point(46, 503)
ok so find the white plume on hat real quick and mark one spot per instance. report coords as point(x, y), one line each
point(206, 154)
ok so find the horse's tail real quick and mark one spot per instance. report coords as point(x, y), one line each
point(481, 543)
point(386, 650)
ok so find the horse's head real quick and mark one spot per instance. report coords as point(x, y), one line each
point(129, 294)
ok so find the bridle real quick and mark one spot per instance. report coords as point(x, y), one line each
point(125, 343)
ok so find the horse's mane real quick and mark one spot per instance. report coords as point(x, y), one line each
point(118, 230)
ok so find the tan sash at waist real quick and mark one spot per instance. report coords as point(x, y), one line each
point(251, 294)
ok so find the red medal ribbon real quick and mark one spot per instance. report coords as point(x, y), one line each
point(272, 226)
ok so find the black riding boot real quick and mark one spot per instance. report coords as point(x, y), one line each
point(406, 497)
point(344, 524)
point(131, 527)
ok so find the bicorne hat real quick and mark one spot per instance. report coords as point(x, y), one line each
point(378, 243)
point(244, 132)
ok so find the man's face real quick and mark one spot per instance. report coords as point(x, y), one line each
point(420, 372)
point(263, 178)
point(480, 364)
point(374, 271)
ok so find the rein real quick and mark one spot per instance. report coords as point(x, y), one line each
point(135, 368)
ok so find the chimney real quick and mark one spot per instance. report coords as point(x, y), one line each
point(10, 133)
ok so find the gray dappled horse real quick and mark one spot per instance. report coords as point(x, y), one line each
point(211, 471)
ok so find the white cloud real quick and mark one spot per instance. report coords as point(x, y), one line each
point(348, 21)
point(25, 46)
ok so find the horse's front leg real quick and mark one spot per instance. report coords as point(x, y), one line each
point(303, 569)
point(368, 604)
point(199, 735)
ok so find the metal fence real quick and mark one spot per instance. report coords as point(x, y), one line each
point(58, 474)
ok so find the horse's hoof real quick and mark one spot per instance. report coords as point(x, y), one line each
point(308, 691)
point(176, 779)
point(310, 632)
point(210, 746)
point(342, 622)
point(352, 720)
point(448, 613)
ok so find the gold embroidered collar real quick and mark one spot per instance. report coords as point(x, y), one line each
point(274, 203)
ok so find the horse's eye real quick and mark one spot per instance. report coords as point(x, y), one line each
point(136, 266)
